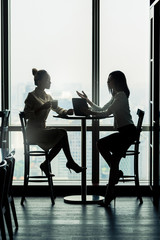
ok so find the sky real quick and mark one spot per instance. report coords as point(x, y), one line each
point(56, 35)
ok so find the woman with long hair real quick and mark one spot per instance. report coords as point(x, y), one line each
point(37, 107)
point(114, 146)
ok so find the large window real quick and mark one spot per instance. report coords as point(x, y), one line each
point(56, 35)
point(50, 35)
point(124, 45)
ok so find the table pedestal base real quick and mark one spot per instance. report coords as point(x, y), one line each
point(77, 199)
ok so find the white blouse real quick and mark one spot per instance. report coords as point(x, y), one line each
point(119, 107)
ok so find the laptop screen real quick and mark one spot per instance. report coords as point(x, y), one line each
point(79, 106)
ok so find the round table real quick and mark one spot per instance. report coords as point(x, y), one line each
point(83, 198)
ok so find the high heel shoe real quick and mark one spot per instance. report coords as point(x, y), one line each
point(110, 196)
point(75, 167)
point(44, 168)
point(118, 176)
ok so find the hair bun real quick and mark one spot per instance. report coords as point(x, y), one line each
point(34, 71)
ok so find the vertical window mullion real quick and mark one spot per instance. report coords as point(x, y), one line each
point(95, 87)
point(5, 54)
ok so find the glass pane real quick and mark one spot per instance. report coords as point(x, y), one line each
point(125, 46)
point(124, 28)
point(58, 164)
point(50, 35)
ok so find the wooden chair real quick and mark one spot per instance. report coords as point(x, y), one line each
point(4, 115)
point(9, 178)
point(7, 205)
point(3, 172)
point(28, 153)
point(135, 153)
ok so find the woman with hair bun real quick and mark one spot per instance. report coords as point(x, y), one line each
point(114, 146)
point(37, 107)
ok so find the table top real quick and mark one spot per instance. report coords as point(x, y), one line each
point(81, 117)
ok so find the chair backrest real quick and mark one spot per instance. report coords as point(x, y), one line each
point(10, 171)
point(3, 173)
point(140, 114)
point(23, 126)
point(4, 115)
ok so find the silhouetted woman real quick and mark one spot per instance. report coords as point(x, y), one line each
point(114, 146)
point(37, 107)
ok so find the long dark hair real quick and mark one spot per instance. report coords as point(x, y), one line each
point(120, 82)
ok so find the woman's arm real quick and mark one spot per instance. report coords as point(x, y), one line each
point(94, 107)
point(116, 103)
point(84, 96)
point(61, 111)
point(104, 108)
point(105, 113)
point(92, 104)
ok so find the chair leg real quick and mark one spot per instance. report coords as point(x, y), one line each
point(14, 212)
point(50, 183)
point(137, 181)
point(2, 226)
point(26, 176)
point(138, 190)
point(24, 189)
point(7, 215)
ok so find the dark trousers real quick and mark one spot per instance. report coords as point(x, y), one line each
point(114, 147)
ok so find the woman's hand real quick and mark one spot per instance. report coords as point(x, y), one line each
point(69, 112)
point(46, 105)
point(86, 111)
point(82, 95)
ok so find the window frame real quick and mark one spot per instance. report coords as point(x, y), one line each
point(5, 77)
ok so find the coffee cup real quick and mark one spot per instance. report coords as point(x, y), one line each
point(54, 104)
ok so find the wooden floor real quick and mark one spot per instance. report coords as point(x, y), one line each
point(128, 220)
